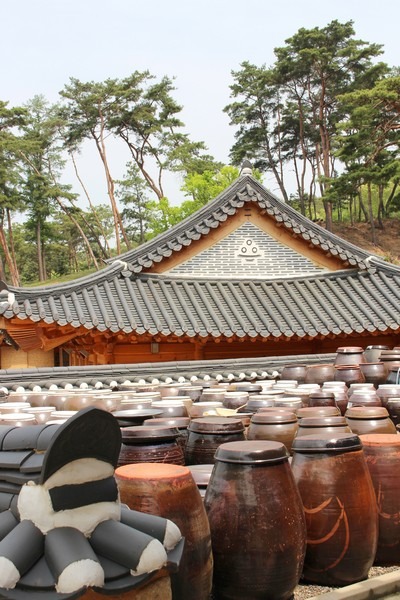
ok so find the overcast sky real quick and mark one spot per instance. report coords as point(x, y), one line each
point(45, 42)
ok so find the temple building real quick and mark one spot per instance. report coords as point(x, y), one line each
point(246, 276)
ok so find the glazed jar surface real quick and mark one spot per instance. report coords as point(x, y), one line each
point(150, 444)
point(257, 522)
point(339, 503)
point(170, 491)
point(275, 427)
point(369, 419)
point(207, 433)
point(382, 454)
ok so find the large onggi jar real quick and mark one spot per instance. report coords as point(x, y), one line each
point(257, 522)
point(340, 508)
point(382, 453)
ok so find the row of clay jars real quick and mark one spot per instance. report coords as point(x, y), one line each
point(262, 534)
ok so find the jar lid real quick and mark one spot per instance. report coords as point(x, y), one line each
point(143, 433)
point(349, 349)
point(313, 411)
point(366, 412)
point(273, 417)
point(257, 452)
point(178, 422)
point(327, 442)
point(218, 425)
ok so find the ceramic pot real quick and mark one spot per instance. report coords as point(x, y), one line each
point(374, 372)
point(171, 492)
point(245, 386)
point(322, 398)
point(194, 392)
point(274, 427)
point(258, 537)
point(393, 408)
point(317, 425)
point(292, 402)
point(373, 353)
point(387, 391)
point(179, 423)
point(349, 374)
point(206, 434)
point(235, 400)
point(21, 419)
point(319, 373)
point(339, 503)
point(297, 372)
point(171, 408)
point(369, 419)
point(145, 443)
point(317, 411)
point(349, 355)
point(198, 409)
point(382, 454)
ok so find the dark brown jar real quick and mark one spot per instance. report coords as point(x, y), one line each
point(349, 355)
point(170, 491)
point(254, 403)
point(206, 434)
point(374, 372)
point(369, 419)
point(179, 423)
point(382, 453)
point(322, 398)
point(297, 372)
point(275, 427)
point(319, 373)
point(150, 444)
point(317, 425)
point(235, 400)
point(393, 408)
point(339, 503)
point(349, 374)
point(256, 521)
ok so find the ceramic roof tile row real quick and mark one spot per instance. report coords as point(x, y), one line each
point(235, 369)
point(244, 190)
point(341, 302)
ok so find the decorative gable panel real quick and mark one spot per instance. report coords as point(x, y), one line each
point(247, 252)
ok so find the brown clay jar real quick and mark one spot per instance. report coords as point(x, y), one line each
point(319, 373)
point(179, 423)
point(373, 353)
point(339, 503)
point(374, 372)
point(317, 425)
point(150, 444)
point(369, 419)
point(206, 434)
point(297, 372)
point(256, 521)
point(170, 491)
point(349, 355)
point(322, 398)
point(317, 411)
point(275, 427)
point(349, 374)
point(382, 454)
point(393, 373)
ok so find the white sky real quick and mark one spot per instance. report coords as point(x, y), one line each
point(44, 42)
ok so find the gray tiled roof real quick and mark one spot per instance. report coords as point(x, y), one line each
point(231, 369)
point(124, 298)
point(343, 302)
point(244, 190)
